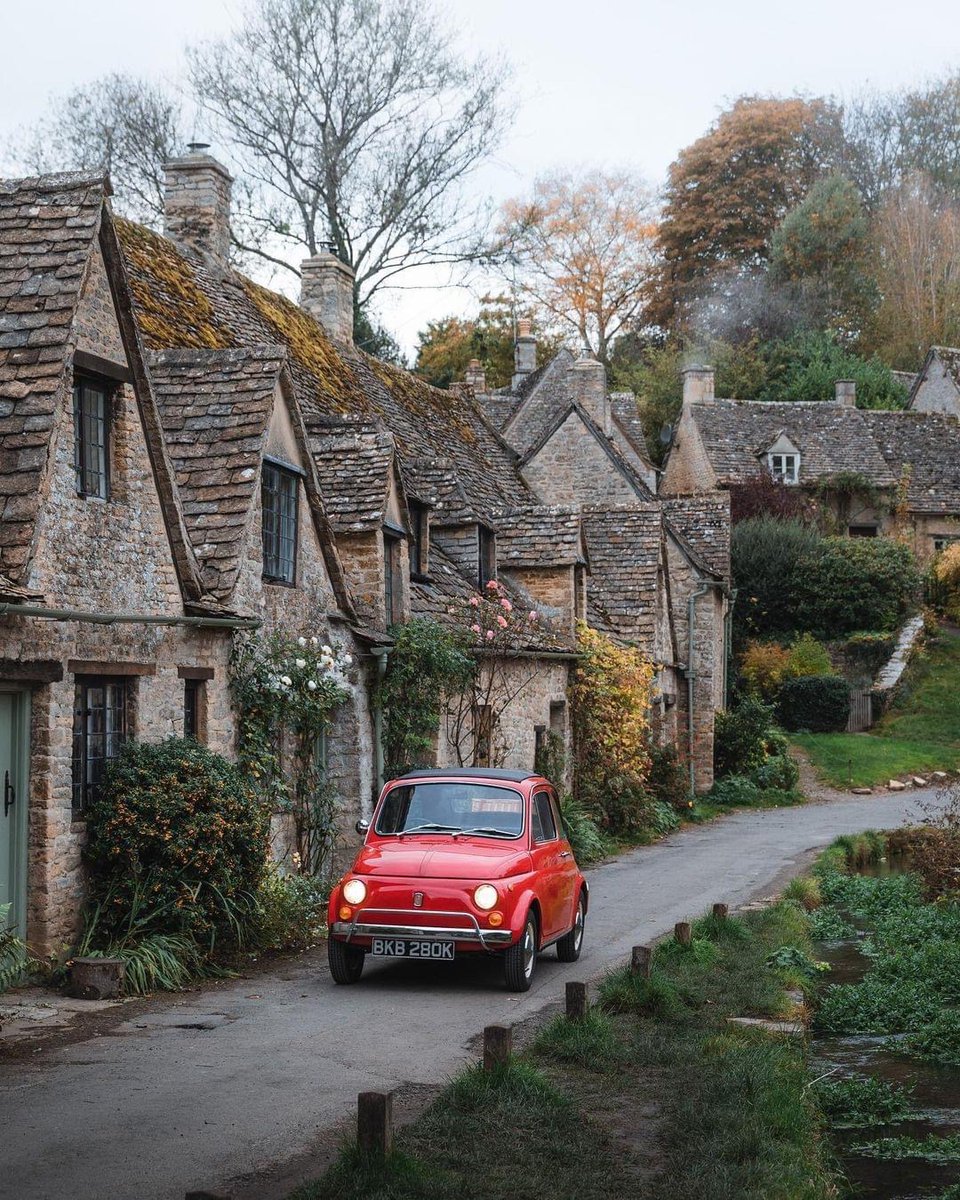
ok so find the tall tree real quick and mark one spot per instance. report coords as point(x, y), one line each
point(918, 273)
point(729, 190)
point(446, 346)
point(581, 249)
point(124, 126)
point(821, 253)
point(354, 121)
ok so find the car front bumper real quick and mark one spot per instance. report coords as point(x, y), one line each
point(488, 939)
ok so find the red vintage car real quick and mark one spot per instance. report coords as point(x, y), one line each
point(460, 862)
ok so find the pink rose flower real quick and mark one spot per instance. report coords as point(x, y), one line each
point(489, 635)
point(502, 622)
point(475, 628)
point(493, 585)
point(534, 616)
point(474, 601)
point(506, 605)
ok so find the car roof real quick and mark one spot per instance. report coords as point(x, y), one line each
point(472, 773)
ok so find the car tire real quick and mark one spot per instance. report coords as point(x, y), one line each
point(570, 945)
point(346, 961)
point(520, 959)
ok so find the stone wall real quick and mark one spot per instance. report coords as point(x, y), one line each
point(687, 468)
point(573, 468)
point(551, 590)
point(937, 392)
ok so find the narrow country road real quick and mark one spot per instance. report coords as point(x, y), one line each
point(232, 1080)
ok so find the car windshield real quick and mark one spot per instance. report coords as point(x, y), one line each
point(453, 808)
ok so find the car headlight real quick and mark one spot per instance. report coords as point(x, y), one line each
point(354, 891)
point(485, 896)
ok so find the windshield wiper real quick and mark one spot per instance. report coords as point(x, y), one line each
point(430, 828)
point(488, 831)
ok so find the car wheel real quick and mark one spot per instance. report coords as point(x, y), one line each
point(521, 958)
point(346, 961)
point(570, 945)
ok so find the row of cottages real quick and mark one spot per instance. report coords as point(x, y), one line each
point(875, 472)
point(186, 456)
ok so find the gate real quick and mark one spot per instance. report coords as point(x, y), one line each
point(861, 710)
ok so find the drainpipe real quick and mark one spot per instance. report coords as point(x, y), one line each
point(381, 654)
point(692, 676)
point(728, 644)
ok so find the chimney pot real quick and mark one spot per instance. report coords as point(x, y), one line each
point(524, 352)
point(698, 385)
point(590, 389)
point(326, 292)
point(845, 391)
point(196, 205)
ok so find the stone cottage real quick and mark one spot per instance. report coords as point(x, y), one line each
point(872, 472)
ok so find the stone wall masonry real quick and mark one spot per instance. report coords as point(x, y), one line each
point(687, 468)
point(197, 207)
point(572, 468)
point(551, 592)
point(937, 392)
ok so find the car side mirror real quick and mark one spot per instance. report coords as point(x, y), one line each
point(362, 827)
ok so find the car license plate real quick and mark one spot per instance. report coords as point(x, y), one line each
point(405, 948)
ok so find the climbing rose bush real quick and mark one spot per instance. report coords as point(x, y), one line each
point(495, 622)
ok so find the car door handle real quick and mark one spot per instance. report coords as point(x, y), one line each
point(564, 853)
point(9, 794)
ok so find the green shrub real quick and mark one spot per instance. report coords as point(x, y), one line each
point(770, 560)
point(807, 656)
point(779, 773)
point(740, 737)
point(176, 833)
point(856, 584)
point(735, 790)
point(292, 911)
point(668, 780)
point(583, 833)
point(816, 703)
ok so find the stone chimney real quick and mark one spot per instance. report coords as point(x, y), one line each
point(326, 292)
point(524, 353)
point(475, 377)
point(590, 389)
point(846, 392)
point(697, 385)
point(196, 205)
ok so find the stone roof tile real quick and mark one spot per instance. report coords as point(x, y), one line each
point(354, 462)
point(624, 545)
point(926, 446)
point(539, 535)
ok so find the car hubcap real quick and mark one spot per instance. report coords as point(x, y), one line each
point(578, 928)
point(529, 946)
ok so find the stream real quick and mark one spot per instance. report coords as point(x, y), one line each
point(935, 1096)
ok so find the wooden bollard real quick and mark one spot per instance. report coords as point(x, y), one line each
point(641, 960)
point(375, 1123)
point(97, 978)
point(497, 1046)
point(206, 1196)
point(576, 1001)
point(681, 932)
point(720, 911)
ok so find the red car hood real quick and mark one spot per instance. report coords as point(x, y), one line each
point(430, 858)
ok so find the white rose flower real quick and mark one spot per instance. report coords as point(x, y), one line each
point(314, 641)
point(301, 641)
point(286, 680)
point(311, 685)
point(348, 660)
point(327, 650)
point(301, 663)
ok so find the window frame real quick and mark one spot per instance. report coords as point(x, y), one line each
point(84, 789)
point(486, 555)
point(547, 838)
point(782, 475)
point(392, 577)
point(273, 554)
point(197, 688)
point(84, 382)
point(419, 539)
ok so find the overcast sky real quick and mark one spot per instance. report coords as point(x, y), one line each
point(607, 83)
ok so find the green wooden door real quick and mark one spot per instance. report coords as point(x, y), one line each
point(13, 802)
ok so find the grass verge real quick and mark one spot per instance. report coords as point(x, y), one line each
point(919, 733)
point(655, 1093)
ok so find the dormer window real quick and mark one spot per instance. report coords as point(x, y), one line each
point(91, 435)
point(785, 467)
point(280, 495)
point(487, 555)
point(783, 460)
point(419, 540)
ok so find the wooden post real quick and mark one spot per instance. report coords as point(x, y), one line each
point(681, 931)
point(497, 1046)
point(576, 1001)
point(641, 960)
point(97, 978)
point(206, 1196)
point(375, 1123)
point(720, 911)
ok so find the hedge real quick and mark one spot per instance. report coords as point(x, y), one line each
point(817, 703)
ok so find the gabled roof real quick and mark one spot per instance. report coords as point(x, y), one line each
point(48, 229)
point(541, 395)
point(354, 463)
point(180, 303)
point(701, 522)
point(538, 536)
point(949, 358)
point(436, 482)
point(832, 438)
point(624, 544)
point(215, 406)
point(927, 446)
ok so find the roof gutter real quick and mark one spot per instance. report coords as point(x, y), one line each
point(548, 655)
point(41, 612)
